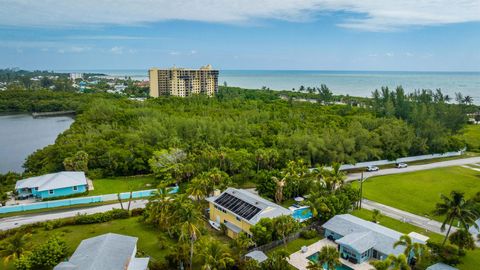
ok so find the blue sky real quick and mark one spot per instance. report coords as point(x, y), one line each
point(422, 35)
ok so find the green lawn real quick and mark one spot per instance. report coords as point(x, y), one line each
point(295, 245)
point(121, 184)
point(471, 135)
point(397, 225)
point(147, 242)
point(418, 192)
point(470, 262)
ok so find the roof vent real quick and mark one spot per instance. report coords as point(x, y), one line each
point(256, 203)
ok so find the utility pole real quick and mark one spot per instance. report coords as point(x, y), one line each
point(361, 191)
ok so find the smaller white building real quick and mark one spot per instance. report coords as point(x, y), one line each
point(107, 251)
point(74, 76)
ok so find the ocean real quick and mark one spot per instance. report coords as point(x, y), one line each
point(354, 83)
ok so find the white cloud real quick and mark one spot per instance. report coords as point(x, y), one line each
point(390, 54)
point(117, 50)
point(369, 15)
point(174, 53)
point(74, 49)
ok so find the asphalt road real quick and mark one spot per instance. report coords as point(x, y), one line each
point(414, 168)
point(17, 221)
point(419, 221)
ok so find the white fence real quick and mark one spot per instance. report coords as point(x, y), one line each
point(405, 159)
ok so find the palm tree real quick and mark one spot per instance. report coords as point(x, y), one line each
point(277, 261)
point(242, 243)
point(468, 100)
point(398, 263)
point(15, 246)
point(314, 266)
point(381, 265)
point(214, 255)
point(285, 225)
point(329, 257)
point(410, 247)
point(457, 208)
point(188, 218)
point(199, 187)
point(160, 208)
point(463, 239)
point(280, 183)
point(376, 214)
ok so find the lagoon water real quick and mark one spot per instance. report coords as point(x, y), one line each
point(354, 83)
point(21, 135)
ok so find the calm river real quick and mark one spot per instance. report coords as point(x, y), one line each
point(21, 135)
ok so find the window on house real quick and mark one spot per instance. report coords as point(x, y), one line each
point(75, 188)
point(50, 191)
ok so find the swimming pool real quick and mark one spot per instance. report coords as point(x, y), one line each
point(314, 258)
point(303, 213)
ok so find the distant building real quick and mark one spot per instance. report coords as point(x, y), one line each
point(239, 209)
point(360, 240)
point(183, 82)
point(74, 76)
point(52, 185)
point(108, 251)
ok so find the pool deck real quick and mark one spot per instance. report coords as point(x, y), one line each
point(299, 260)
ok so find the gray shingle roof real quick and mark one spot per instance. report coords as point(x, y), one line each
point(441, 266)
point(108, 251)
point(380, 238)
point(257, 255)
point(53, 181)
point(267, 208)
point(361, 241)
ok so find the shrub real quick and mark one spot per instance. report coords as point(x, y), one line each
point(308, 234)
point(46, 256)
point(102, 217)
point(137, 212)
point(119, 214)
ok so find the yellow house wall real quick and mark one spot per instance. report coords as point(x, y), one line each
point(230, 218)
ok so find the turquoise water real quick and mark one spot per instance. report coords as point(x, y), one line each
point(355, 83)
point(314, 258)
point(302, 214)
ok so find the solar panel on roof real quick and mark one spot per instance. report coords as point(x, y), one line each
point(237, 206)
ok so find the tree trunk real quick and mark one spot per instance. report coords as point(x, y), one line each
point(191, 253)
point(448, 232)
point(120, 200)
point(130, 200)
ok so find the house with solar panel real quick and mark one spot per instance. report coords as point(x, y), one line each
point(360, 240)
point(52, 185)
point(239, 209)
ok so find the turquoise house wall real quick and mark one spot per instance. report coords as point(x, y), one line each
point(59, 192)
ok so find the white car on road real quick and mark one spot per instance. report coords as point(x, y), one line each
point(401, 165)
point(372, 168)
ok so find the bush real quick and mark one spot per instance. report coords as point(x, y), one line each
point(102, 217)
point(308, 234)
point(137, 212)
point(119, 214)
point(46, 256)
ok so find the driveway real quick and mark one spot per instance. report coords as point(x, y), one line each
point(17, 221)
point(414, 168)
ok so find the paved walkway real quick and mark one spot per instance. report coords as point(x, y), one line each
point(419, 221)
point(17, 221)
point(413, 168)
point(299, 259)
